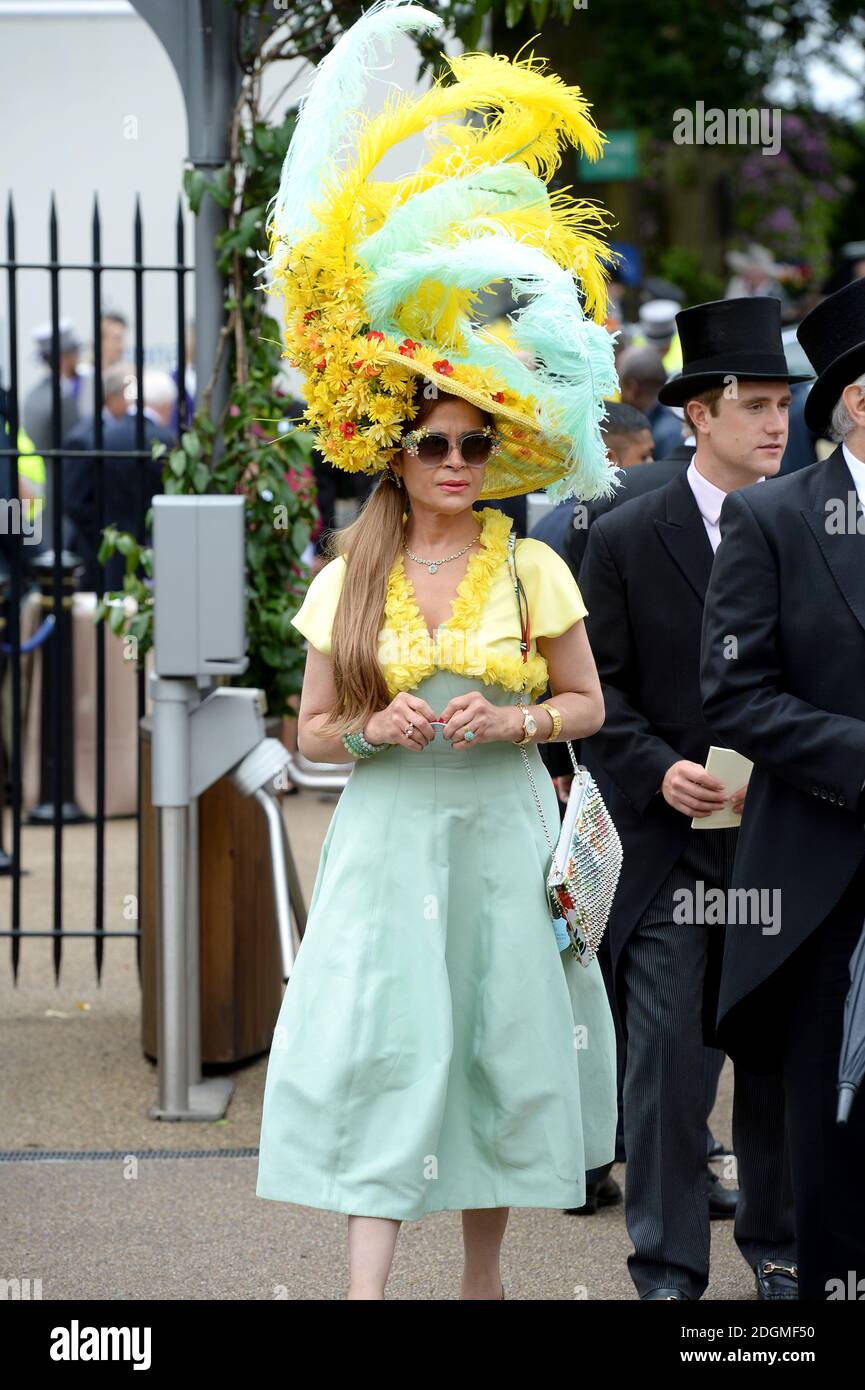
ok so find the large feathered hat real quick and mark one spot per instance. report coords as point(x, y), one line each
point(382, 280)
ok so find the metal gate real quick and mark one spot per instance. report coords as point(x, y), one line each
point(54, 577)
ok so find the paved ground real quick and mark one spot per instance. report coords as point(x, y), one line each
point(75, 1080)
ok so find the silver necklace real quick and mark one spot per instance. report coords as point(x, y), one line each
point(432, 565)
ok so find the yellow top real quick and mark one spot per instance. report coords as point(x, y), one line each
point(481, 637)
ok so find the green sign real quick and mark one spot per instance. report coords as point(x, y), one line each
point(620, 159)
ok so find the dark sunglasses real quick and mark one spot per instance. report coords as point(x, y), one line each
point(476, 446)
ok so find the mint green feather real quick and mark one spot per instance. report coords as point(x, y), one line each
point(435, 212)
point(328, 112)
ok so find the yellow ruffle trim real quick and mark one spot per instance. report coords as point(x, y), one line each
point(455, 646)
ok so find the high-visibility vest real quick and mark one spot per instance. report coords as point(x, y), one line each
point(672, 358)
point(30, 465)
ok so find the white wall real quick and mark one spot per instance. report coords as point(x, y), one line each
point(89, 102)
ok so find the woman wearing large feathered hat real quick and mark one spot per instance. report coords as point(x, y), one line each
point(437, 1049)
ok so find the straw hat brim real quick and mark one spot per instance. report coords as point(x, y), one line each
point(529, 459)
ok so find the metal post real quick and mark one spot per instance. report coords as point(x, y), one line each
point(170, 743)
point(183, 1094)
point(193, 949)
point(171, 955)
point(200, 39)
point(279, 877)
point(57, 754)
point(6, 862)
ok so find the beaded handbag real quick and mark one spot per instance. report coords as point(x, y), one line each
point(586, 862)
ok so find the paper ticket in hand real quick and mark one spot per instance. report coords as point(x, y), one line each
point(734, 771)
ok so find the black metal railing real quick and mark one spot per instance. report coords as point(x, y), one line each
point(55, 665)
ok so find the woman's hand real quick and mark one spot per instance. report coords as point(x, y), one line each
point(488, 722)
point(390, 725)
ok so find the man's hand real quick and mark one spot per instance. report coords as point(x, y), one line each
point(563, 786)
point(739, 799)
point(689, 788)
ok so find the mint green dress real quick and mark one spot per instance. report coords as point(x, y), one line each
point(435, 1050)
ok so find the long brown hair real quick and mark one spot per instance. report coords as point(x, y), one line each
point(371, 545)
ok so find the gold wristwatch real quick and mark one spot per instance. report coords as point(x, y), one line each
point(556, 730)
point(530, 727)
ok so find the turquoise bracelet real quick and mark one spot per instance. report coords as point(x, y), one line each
point(360, 747)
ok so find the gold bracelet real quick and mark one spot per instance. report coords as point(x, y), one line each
point(557, 721)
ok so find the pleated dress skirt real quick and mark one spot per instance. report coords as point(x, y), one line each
point(435, 1050)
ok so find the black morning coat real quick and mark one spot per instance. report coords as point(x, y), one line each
point(789, 693)
point(635, 482)
point(644, 578)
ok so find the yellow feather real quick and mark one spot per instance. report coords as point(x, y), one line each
point(536, 111)
point(529, 117)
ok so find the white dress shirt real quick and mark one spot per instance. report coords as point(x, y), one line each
point(857, 472)
point(710, 499)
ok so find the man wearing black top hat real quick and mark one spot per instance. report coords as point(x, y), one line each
point(788, 587)
point(644, 578)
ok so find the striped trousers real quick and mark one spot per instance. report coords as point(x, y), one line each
point(662, 973)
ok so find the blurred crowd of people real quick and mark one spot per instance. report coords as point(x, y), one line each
point(130, 480)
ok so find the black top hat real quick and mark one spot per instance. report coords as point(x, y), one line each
point(833, 336)
point(728, 338)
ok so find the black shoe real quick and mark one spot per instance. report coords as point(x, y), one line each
point(590, 1205)
point(609, 1192)
point(777, 1279)
point(722, 1200)
point(672, 1294)
point(606, 1193)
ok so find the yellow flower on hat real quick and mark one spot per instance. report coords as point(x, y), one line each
point(382, 410)
point(392, 378)
point(385, 435)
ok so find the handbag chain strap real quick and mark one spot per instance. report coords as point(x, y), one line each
point(525, 631)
